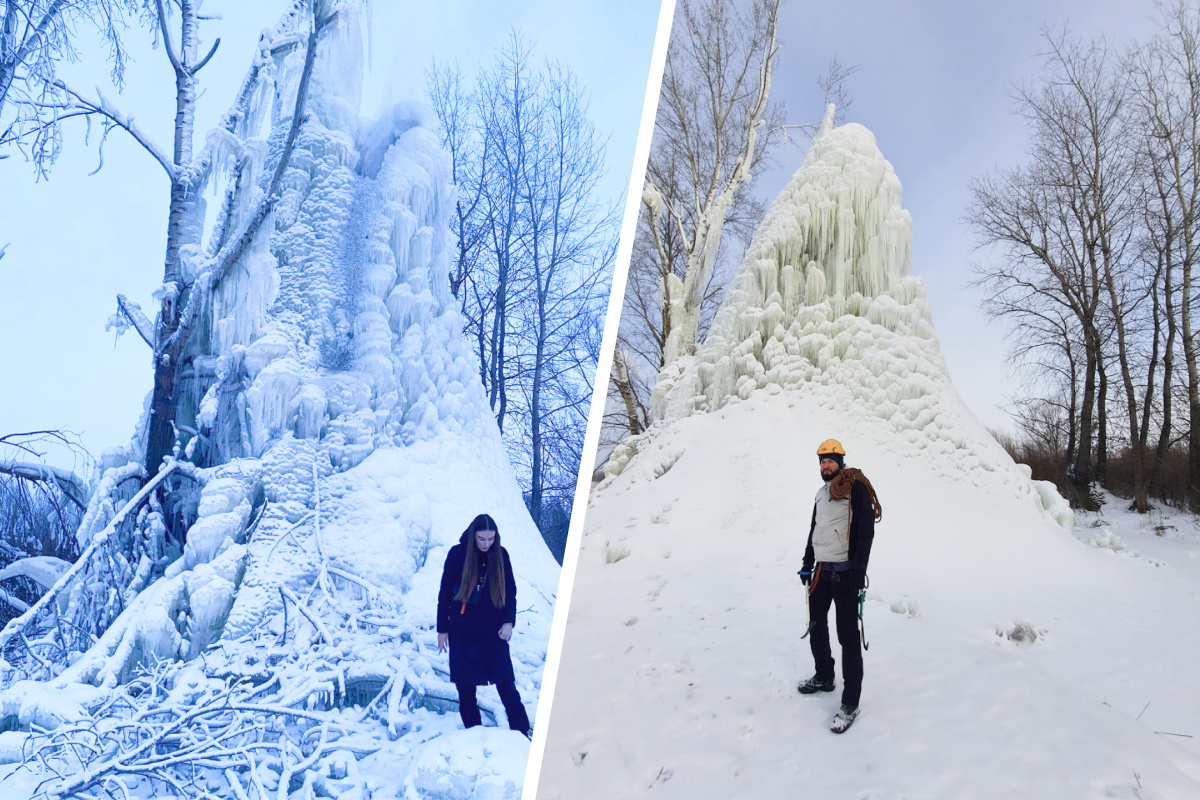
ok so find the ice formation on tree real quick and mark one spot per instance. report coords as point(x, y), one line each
point(344, 442)
point(824, 305)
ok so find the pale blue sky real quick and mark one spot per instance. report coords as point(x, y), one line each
point(76, 241)
point(933, 85)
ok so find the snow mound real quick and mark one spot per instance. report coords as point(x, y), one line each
point(475, 764)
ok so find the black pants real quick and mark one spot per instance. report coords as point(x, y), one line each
point(468, 707)
point(830, 589)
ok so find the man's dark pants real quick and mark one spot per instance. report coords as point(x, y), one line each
point(832, 588)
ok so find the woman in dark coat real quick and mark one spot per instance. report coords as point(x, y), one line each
point(477, 607)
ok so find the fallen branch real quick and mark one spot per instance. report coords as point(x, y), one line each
point(71, 485)
point(138, 320)
point(17, 625)
point(316, 623)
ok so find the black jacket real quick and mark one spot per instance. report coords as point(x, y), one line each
point(479, 615)
point(862, 530)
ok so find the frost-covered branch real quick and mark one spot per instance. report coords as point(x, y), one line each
point(165, 32)
point(104, 108)
point(35, 37)
point(169, 722)
point(18, 625)
point(132, 313)
point(211, 52)
point(71, 485)
point(288, 594)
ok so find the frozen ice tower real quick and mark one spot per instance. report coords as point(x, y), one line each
point(333, 398)
point(824, 305)
point(828, 262)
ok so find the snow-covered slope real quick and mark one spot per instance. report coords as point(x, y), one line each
point(347, 444)
point(687, 606)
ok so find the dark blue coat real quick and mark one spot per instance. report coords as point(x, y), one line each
point(477, 653)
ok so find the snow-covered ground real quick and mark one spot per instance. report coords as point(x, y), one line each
point(697, 632)
point(683, 646)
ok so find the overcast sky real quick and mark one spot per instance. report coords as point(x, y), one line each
point(933, 85)
point(76, 241)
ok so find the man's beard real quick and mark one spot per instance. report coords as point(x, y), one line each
point(830, 476)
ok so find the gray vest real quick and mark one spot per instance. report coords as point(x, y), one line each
point(831, 536)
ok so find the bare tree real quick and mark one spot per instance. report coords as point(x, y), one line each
point(832, 83)
point(567, 252)
point(1063, 223)
point(1167, 80)
point(536, 247)
point(35, 36)
point(454, 105)
point(1103, 224)
point(714, 124)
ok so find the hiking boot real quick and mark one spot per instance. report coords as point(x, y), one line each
point(814, 685)
point(843, 719)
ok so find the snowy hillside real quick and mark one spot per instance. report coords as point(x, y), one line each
point(343, 443)
point(687, 605)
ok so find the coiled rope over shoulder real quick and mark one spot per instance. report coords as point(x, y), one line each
point(839, 488)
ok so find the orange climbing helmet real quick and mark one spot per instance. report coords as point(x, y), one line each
point(831, 447)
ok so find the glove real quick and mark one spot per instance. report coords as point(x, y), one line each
point(805, 575)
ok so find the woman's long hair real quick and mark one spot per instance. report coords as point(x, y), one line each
point(496, 578)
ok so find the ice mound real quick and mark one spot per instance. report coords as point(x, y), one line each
point(823, 306)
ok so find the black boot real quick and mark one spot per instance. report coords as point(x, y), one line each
point(814, 685)
point(844, 719)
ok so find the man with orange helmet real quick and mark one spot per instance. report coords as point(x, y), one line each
point(835, 571)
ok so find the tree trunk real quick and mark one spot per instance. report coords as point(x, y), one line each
point(1081, 474)
point(1072, 411)
point(168, 347)
point(1137, 442)
point(621, 379)
point(1101, 422)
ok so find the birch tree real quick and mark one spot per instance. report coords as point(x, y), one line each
point(193, 269)
point(714, 123)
